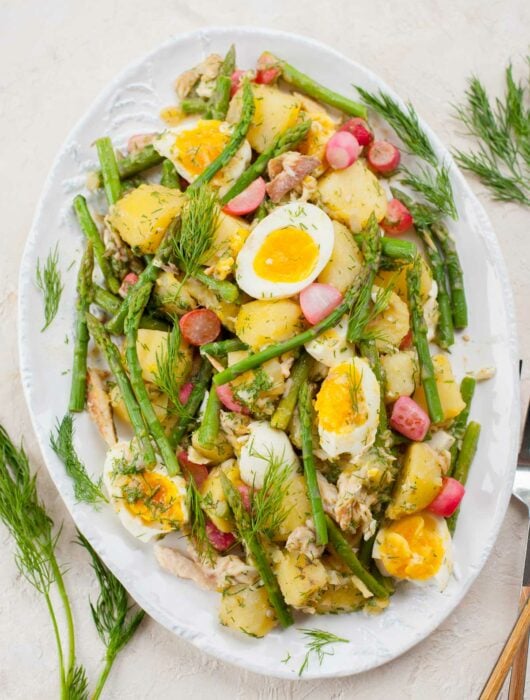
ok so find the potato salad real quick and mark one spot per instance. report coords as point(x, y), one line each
point(264, 309)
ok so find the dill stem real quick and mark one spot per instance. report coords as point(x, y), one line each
point(59, 582)
point(57, 635)
point(109, 661)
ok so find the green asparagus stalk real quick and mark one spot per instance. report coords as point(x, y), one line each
point(370, 243)
point(109, 169)
point(285, 409)
point(256, 552)
point(228, 291)
point(419, 334)
point(112, 354)
point(218, 103)
point(90, 230)
point(282, 143)
point(467, 389)
point(136, 307)
point(170, 177)
point(194, 105)
point(136, 163)
point(192, 405)
point(238, 135)
point(368, 350)
point(84, 291)
point(348, 556)
point(455, 274)
point(209, 428)
point(105, 300)
point(444, 331)
point(463, 463)
point(306, 419)
point(398, 249)
point(221, 348)
point(152, 323)
point(318, 92)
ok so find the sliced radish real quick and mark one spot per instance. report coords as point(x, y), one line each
point(406, 343)
point(229, 401)
point(398, 218)
point(199, 472)
point(130, 279)
point(383, 156)
point(200, 326)
point(244, 492)
point(448, 500)
point(318, 301)
point(185, 392)
point(409, 419)
point(237, 79)
point(359, 128)
point(265, 61)
point(342, 150)
point(248, 201)
point(221, 541)
point(267, 75)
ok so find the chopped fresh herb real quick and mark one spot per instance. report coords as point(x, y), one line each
point(318, 641)
point(48, 280)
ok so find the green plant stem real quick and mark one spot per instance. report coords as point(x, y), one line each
point(112, 355)
point(221, 348)
point(228, 291)
point(454, 273)
point(194, 105)
point(467, 389)
point(348, 556)
point(192, 405)
point(463, 463)
point(170, 177)
point(210, 423)
point(306, 84)
point(419, 335)
point(219, 101)
point(285, 409)
point(79, 369)
point(136, 163)
point(368, 349)
point(61, 588)
point(109, 661)
point(90, 230)
point(57, 635)
point(306, 420)
point(109, 169)
point(106, 300)
point(444, 332)
point(395, 248)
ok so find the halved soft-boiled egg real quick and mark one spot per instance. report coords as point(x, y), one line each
point(415, 548)
point(264, 448)
point(331, 347)
point(149, 502)
point(195, 143)
point(347, 406)
point(285, 252)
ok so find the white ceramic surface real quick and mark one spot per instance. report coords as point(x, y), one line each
point(131, 104)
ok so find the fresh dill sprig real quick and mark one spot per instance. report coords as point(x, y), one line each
point(318, 642)
point(165, 376)
point(364, 311)
point(62, 443)
point(197, 525)
point(435, 188)
point(48, 280)
point(266, 510)
point(198, 222)
point(115, 618)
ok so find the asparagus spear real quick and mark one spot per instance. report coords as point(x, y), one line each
point(193, 403)
point(368, 350)
point(106, 300)
point(348, 556)
point(218, 103)
point(234, 143)
point(255, 549)
point(282, 143)
point(306, 419)
point(90, 230)
point(112, 354)
point(398, 249)
point(109, 169)
point(136, 307)
point(209, 429)
point(170, 177)
point(194, 105)
point(419, 334)
point(467, 389)
point(285, 409)
point(228, 291)
point(84, 289)
point(370, 242)
point(455, 274)
point(135, 163)
point(221, 348)
point(463, 463)
point(306, 84)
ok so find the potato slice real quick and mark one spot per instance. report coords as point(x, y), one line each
point(214, 500)
point(401, 374)
point(299, 578)
point(448, 389)
point(391, 325)
point(399, 279)
point(346, 260)
point(296, 504)
point(152, 342)
point(339, 599)
point(419, 481)
point(261, 323)
point(247, 609)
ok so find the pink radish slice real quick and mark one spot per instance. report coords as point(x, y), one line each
point(229, 401)
point(406, 343)
point(200, 326)
point(342, 150)
point(318, 301)
point(184, 392)
point(248, 201)
point(127, 282)
point(448, 500)
point(267, 75)
point(236, 78)
point(383, 156)
point(244, 491)
point(359, 128)
point(219, 540)
point(199, 472)
point(409, 419)
point(398, 218)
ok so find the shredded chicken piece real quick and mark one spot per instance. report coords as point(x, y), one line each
point(204, 74)
point(180, 565)
point(482, 374)
point(303, 540)
point(98, 405)
point(139, 141)
point(354, 504)
point(431, 312)
point(114, 246)
point(328, 493)
point(287, 171)
point(196, 457)
point(235, 427)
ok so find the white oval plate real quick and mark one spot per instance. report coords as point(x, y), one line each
point(132, 104)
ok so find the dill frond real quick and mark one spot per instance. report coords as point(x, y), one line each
point(48, 280)
point(266, 504)
point(199, 220)
point(165, 376)
point(434, 187)
point(197, 526)
point(365, 311)
point(318, 642)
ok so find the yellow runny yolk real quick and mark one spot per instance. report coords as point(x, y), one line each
point(412, 548)
point(341, 404)
point(287, 255)
point(196, 148)
point(154, 498)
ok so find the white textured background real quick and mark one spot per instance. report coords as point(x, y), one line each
point(55, 56)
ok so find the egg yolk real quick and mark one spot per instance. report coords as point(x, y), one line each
point(412, 548)
point(341, 404)
point(287, 255)
point(196, 148)
point(154, 499)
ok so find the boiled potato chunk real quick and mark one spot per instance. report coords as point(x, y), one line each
point(171, 295)
point(158, 399)
point(274, 112)
point(216, 452)
point(247, 609)
point(401, 374)
point(299, 578)
point(448, 389)
point(213, 496)
point(228, 239)
point(346, 260)
point(295, 503)
point(339, 599)
point(261, 323)
point(419, 481)
point(351, 195)
point(399, 280)
point(391, 325)
point(151, 343)
point(142, 216)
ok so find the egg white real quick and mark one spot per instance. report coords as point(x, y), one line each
point(311, 219)
point(264, 446)
point(331, 347)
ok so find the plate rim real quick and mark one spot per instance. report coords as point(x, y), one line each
point(489, 238)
